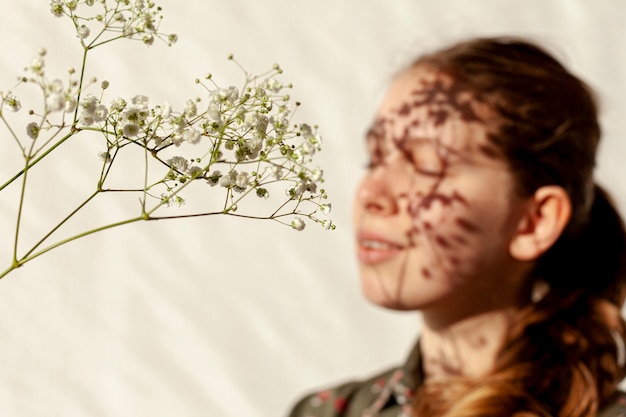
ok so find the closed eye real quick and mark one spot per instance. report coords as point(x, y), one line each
point(424, 155)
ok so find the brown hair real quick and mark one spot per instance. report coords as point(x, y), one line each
point(562, 356)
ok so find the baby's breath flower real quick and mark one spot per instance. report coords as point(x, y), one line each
point(305, 130)
point(104, 85)
point(170, 199)
point(32, 130)
point(131, 130)
point(86, 119)
point(89, 103)
point(178, 163)
point(70, 104)
point(325, 208)
point(228, 95)
point(55, 102)
point(195, 171)
point(317, 175)
point(135, 114)
point(254, 147)
point(164, 110)
point(227, 180)
point(280, 124)
point(273, 85)
point(172, 39)
point(13, 103)
point(214, 114)
point(277, 172)
point(242, 179)
point(328, 224)
point(307, 148)
point(104, 156)
point(83, 32)
point(90, 106)
point(100, 113)
point(56, 7)
point(148, 39)
point(55, 86)
point(71, 4)
point(214, 178)
point(191, 110)
point(192, 135)
point(37, 65)
point(298, 224)
point(118, 105)
point(140, 100)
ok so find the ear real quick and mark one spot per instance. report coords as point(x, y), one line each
point(546, 215)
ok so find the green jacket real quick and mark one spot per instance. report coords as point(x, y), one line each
point(389, 394)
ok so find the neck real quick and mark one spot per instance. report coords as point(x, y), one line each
point(467, 347)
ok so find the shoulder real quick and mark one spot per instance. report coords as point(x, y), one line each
point(345, 400)
point(615, 407)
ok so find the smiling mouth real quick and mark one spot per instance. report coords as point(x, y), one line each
point(378, 245)
point(373, 251)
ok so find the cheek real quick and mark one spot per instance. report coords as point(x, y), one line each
point(459, 237)
point(357, 206)
point(442, 219)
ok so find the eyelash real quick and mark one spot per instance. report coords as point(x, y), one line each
point(369, 165)
point(376, 158)
point(429, 173)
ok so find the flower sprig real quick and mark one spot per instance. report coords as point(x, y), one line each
point(102, 21)
point(239, 143)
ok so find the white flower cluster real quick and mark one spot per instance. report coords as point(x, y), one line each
point(231, 141)
point(58, 97)
point(244, 136)
point(136, 19)
point(239, 139)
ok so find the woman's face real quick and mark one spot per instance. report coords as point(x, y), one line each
point(436, 210)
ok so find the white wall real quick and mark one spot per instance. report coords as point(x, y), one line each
point(217, 317)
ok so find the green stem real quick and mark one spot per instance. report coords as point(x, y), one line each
point(39, 158)
point(12, 132)
point(80, 86)
point(145, 179)
point(23, 260)
point(61, 223)
point(230, 213)
point(72, 131)
point(20, 210)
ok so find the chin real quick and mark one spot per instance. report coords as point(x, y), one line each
point(384, 300)
point(384, 296)
point(394, 305)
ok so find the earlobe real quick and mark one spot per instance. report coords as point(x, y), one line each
point(546, 216)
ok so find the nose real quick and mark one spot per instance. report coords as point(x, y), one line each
point(378, 191)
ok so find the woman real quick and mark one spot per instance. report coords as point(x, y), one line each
point(479, 209)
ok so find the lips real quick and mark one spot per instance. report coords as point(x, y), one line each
point(373, 248)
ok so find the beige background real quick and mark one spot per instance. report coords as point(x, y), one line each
point(217, 317)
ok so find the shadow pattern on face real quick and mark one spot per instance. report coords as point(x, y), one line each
point(422, 131)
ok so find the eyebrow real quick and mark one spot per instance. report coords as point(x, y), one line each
point(448, 151)
point(379, 128)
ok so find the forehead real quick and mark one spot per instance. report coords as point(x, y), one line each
point(426, 104)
